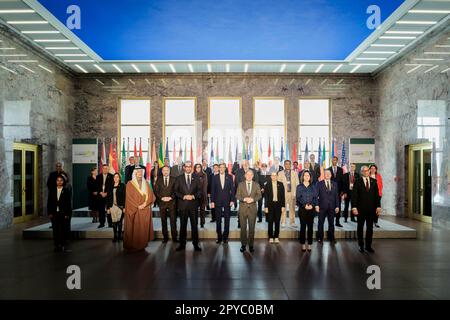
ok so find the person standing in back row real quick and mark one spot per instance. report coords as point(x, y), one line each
point(104, 186)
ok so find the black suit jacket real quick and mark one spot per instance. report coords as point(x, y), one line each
point(109, 183)
point(222, 197)
point(120, 195)
point(346, 182)
point(162, 191)
point(366, 201)
point(268, 194)
point(181, 190)
point(338, 178)
point(316, 170)
point(64, 203)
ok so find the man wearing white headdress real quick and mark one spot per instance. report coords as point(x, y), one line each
point(138, 213)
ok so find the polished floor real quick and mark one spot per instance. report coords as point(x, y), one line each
point(410, 269)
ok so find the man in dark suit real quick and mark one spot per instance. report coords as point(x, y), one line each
point(165, 195)
point(314, 166)
point(337, 175)
point(240, 177)
point(263, 178)
point(105, 184)
point(188, 193)
point(59, 206)
point(328, 206)
point(222, 199)
point(177, 169)
point(348, 181)
point(51, 181)
point(130, 168)
point(214, 172)
point(365, 206)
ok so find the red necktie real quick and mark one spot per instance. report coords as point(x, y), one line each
point(367, 185)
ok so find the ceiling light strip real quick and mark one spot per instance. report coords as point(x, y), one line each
point(81, 68)
point(117, 68)
point(99, 68)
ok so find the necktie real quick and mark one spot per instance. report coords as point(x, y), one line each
point(189, 180)
point(367, 185)
point(248, 188)
point(165, 181)
point(352, 178)
point(328, 185)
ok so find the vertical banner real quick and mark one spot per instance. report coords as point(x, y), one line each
point(84, 157)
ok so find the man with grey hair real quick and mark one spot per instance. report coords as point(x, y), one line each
point(328, 206)
point(365, 206)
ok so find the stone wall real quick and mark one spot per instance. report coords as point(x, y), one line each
point(400, 92)
point(35, 108)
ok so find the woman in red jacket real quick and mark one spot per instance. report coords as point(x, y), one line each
point(375, 175)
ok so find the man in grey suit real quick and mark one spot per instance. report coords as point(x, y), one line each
point(248, 193)
point(177, 169)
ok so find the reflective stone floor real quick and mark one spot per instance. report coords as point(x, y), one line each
point(410, 269)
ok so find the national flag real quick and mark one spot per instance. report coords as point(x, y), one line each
point(192, 153)
point(319, 154)
point(110, 157)
point(185, 151)
point(295, 155)
point(141, 161)
point(336, 148)
point(217, 151)
point(244, 152)
point(269, 155)
point(161, 154)
point(115, 154)
point(256, 151)
point(236, 153)
point(154, 156)
point(174, 160)
point(324, 155)
point(123, 162)
point(167, 149)
point(148, 166)
point(128, 151)
point(103, 155)
point(288, 155)
point(306, 150)
point(180, 153)
point(211, 157)
point(135, 149)
point(230, 158)
point(282, 151)
point(332, 148)
point(344, 159)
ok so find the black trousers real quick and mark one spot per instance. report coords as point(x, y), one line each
point(185, 216)
point(306, 223)
point(329, 215)
point(347, 207)
point(368, 221)
point(338, 215)
point(203, 203)
point(102, 216)
point(273, 218)
point(260, 209)
point(226, 210)
point(61, 229)
point(168, 210)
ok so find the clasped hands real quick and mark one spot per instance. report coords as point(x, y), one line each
point(248, 200)
point(213, 205)
point(188, 197)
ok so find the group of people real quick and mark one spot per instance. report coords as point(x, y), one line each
point(186, 191)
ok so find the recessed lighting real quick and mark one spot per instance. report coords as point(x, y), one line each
point(446, 70)
point(7, 69)
point(51, 40)
point(99, 68)
point(337, 68)
point(81, 68)
point(116, 82)
point(172, 68)
point(148, 82)
point(319, 68)
point(100, 82)
point(17, 11)
point(416, 22)
point(209, 67)
point(355, 68)
point(27, 22)
point(45, 68)
point(117, 68)
point(339, 82)
point(429, 59)
point(323, 82)
point(71, 55)
point(24, 61)
point(7, 48)
point(429, 11)
point(388, 45)
point(26, 68)
point(13, 55)
point(154, 67)
point(191, 69)
point(283, 66)
point(379, 52)
point(414, 69)
point(403, 32)
point(364, 64)
point(79, 60)
point(135, 68)
point(430, 69)
point(398, 37)
point(300, 69)
point(378, 59)
point(41, 32)
point(227, 67)
point(438, 53)
point(62, 48)
point(307, 82)
point(132, 82)
point(442, 46)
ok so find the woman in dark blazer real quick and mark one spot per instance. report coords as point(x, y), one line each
point(59, 207)
point(274, 203)
point(93, 195)
point(203, 178)
point(306, 199)
point(115, 205)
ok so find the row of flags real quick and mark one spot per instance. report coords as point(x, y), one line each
point(250, 151)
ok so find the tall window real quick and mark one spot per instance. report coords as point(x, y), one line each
point(179, 127)
point(135, 125)
point(225, 128)
point(314, 126)
point(269, 126)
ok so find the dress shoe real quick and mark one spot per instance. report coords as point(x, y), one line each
point(109, 225)
point(303, 248)
point(345, 221)
point(218, 241)
point(225, 241)
point(202, 226)
point(101, 226)
point(165, 240)
point(260, 220)
point(309, 248)
point(370, 250)
point(276, 240)
point(252, 249)
point(271, 240)
point(181, 248)
point(339, 225)
point(361, 249)
point(243, 249)
point(197, 248)
point(353, 220)
point(320, 241)
point(377, 225)
point(213, 220)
